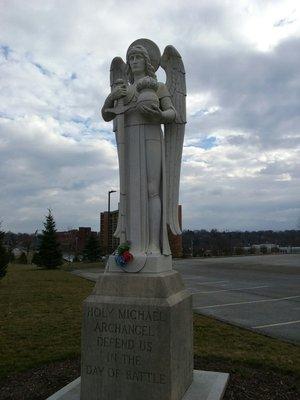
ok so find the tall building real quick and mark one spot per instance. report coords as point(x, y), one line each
point(108, 225)
point(109, 243)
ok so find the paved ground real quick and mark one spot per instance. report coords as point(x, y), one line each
point(89, 273)
point(257, 292)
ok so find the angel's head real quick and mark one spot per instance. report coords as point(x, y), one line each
point(138, 61)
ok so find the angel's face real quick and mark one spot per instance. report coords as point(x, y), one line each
point(137, 63)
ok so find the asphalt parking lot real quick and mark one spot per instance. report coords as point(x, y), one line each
point(257, 292)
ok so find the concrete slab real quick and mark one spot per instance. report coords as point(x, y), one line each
point(68, 392)
point(206, 385)
point(91, 275)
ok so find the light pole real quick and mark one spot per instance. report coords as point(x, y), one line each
point(108, 219)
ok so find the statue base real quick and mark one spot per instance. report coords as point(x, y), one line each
point(137, 338)
point(151, 264)
point(206, 385)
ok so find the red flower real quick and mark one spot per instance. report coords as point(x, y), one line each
point(127, 256)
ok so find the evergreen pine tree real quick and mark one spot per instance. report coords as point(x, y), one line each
point(49, 249)
point(91, 251)
point(36, 259)
point(22, 259)
point(4, 256)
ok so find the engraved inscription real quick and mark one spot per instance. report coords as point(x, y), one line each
point(146, 377)
point(100, 371)
point(100, 312)
point(141, 315)
point(127, 313)
point(128, 343)
point(115, 343)
point(124, 329)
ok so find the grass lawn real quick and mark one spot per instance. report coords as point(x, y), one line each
point(82, 265)
point(40, 320)
point(40, 317)
point(215, 341)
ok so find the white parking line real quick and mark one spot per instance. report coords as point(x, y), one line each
point(211, 282)
point(190, 277)
point(246, 302)
point(229, 290)
point(279, 324)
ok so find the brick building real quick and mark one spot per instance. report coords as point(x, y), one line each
point(108, 225)
point(74, 240)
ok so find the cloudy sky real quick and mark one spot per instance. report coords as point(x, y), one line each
point(241, 161)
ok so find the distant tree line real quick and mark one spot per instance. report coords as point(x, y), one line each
point(196, 243)
point(221, 243)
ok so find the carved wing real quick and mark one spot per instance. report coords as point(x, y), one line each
point(171, 62)
point(117, 73)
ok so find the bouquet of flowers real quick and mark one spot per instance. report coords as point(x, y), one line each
point(122, 254)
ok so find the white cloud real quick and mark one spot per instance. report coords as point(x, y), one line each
point(241, 161)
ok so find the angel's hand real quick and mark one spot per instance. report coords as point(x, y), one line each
point(153, 112)
point(118, 92)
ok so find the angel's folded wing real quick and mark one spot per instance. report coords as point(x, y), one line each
point(174, 133)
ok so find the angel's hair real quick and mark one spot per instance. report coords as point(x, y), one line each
point(138, 49)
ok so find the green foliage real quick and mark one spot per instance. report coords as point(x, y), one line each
point(22, 259)
point(91, 251)
point(76, 258)
point(36, 259)
point(4, 256)
point(49, 249)
point(253, 250)
point(239, 251)
point(12, 257)
point(263, 249)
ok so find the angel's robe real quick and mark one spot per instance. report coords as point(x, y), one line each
point(138, 130)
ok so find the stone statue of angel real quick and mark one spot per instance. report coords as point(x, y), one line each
point(149, 157)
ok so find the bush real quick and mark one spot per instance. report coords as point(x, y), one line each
point(239, 251)
point(12, 257)
point(36, 259)
point(264, 249)
point(4, 257)
point(22, 259)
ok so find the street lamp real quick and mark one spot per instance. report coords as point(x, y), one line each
point(108, 218)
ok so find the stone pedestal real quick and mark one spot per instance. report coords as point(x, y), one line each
point(137, 338)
